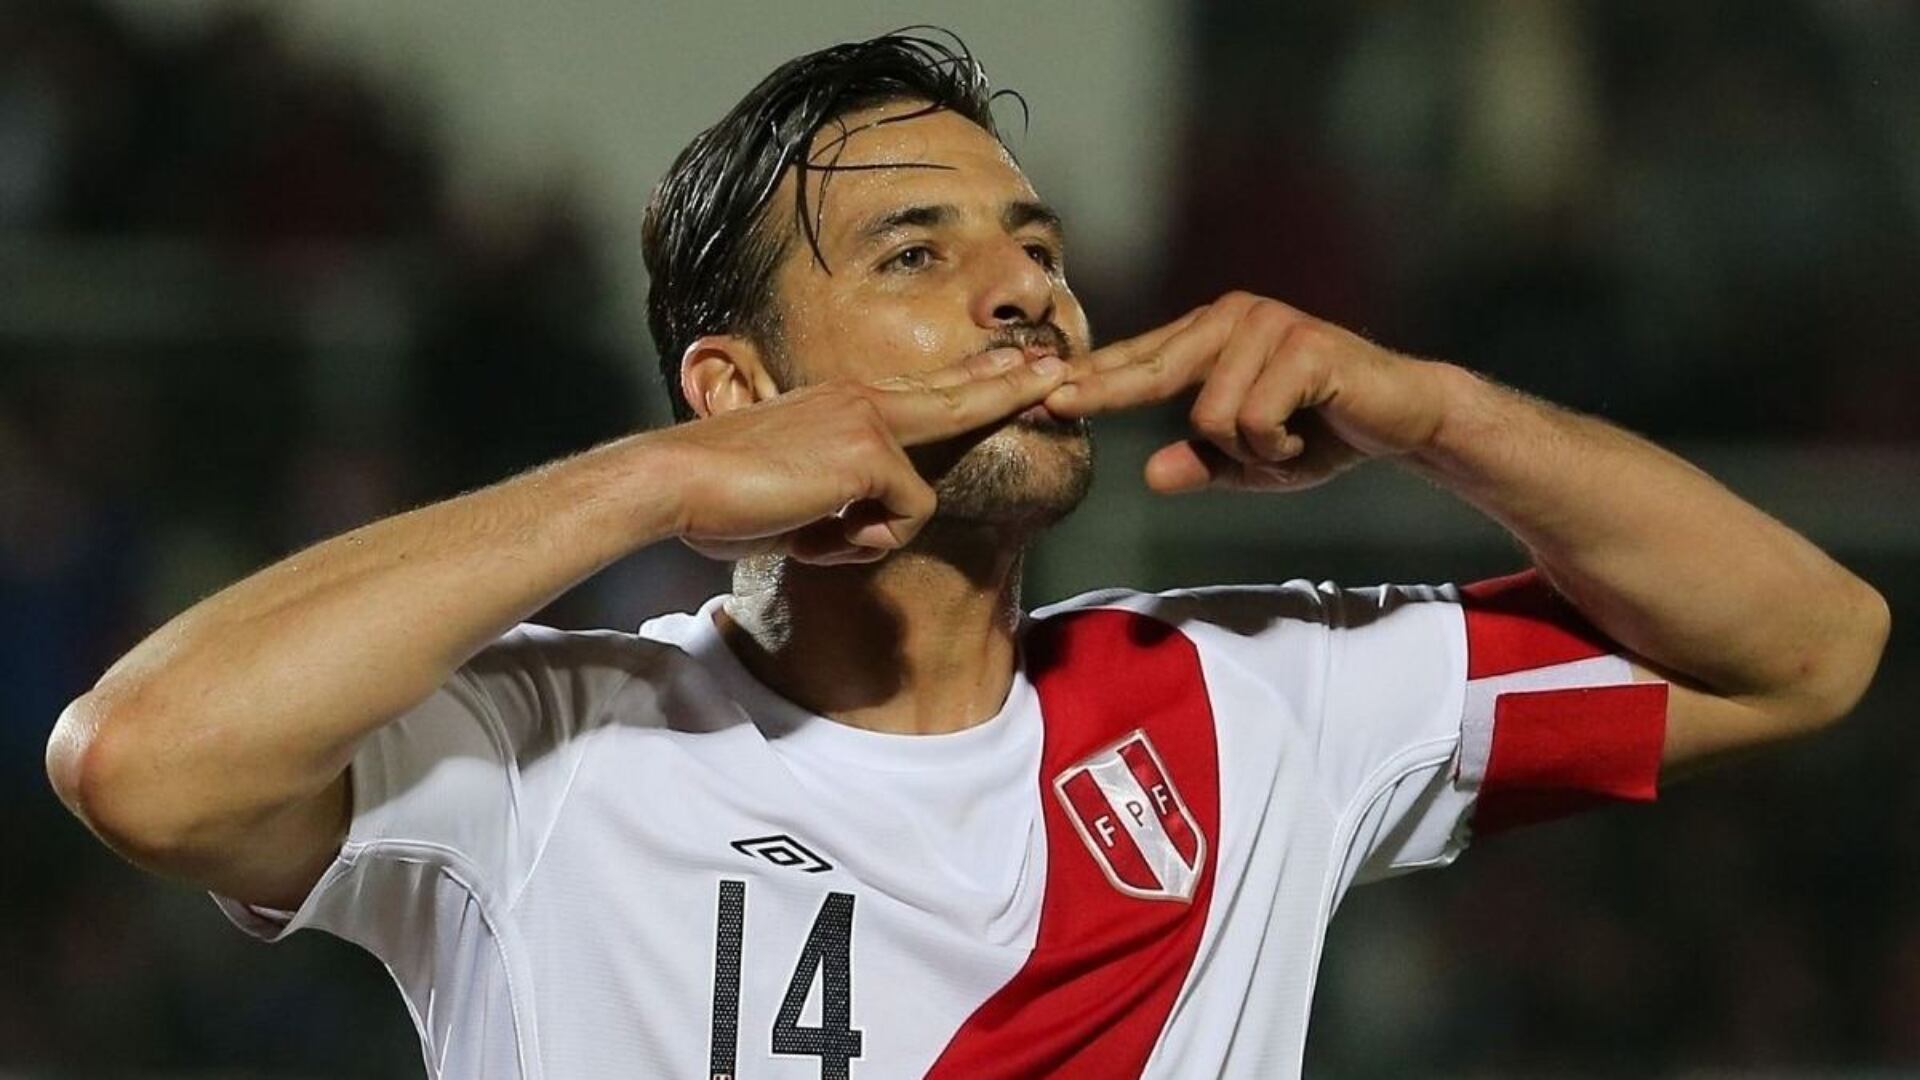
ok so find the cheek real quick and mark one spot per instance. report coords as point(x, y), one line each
point(849, 343)
point(1072, 320)
point(883, 343)
point(926, 339)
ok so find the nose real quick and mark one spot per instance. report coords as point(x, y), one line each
point(1014, 289)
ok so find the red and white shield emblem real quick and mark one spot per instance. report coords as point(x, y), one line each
point(1125, 807)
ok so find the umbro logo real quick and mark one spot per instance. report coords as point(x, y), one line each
point(783, 850)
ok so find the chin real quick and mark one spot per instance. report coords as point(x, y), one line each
point(1031, 474)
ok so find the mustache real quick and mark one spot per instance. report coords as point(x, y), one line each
point(1044, 336)
point(1048, 338)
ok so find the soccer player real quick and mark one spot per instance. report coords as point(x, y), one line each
point(865, 816)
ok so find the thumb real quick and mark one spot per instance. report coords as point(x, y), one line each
point(1188, 465)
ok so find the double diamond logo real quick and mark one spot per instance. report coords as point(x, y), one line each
point(783, 850)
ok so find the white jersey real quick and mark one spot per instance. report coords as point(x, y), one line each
point(611, 855)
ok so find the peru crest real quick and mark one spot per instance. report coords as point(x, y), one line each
point(1124, 806)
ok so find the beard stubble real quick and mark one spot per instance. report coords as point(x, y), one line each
point(1030, 471)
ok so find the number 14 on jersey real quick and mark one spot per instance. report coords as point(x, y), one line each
point(826, 957)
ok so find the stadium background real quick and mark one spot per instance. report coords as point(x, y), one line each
point(267, 271)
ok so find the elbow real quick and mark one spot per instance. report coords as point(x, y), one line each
point(68, 748)
point(1876, 626)
point(1848, 659)
point(91, 766)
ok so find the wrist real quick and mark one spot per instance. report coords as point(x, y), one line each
point(1464, 422)
point(633, 490)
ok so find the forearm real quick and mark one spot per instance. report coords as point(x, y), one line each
point(257, 696)
point(1658, 555)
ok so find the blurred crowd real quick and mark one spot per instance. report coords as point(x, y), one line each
point(1703, 218)
point(289, 322)
point(243, 306)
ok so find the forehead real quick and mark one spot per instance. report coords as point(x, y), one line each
point(882, 158)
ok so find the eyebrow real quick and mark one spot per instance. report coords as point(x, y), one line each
point(1014, 217)
point(1019, 215)
point(908, 217)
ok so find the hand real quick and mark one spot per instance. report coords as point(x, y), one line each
point(821, 473)
point(1286, 400)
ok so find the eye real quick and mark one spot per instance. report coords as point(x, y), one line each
point(910, 259)
point(1048, 259)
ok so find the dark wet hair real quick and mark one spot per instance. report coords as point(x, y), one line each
point(711, 242)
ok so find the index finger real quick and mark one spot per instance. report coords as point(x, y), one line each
point(1130, 350)
point(1155, 366)
point(978, 366)
point(930, 412)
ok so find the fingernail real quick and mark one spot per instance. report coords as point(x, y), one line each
point(1065, 390)
point(1049, 366)
point(1005, 358)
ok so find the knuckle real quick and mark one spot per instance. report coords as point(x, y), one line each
point(1256, 422)
point(1210, 420)
point(859, 401)
point(1311, 337)
point(866, 435)
point(911, 496)
point(850, 486)
point(844, 397)
point(1266, 315)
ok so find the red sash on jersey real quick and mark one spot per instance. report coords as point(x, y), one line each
point(1111, 954)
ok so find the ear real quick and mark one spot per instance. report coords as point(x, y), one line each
point(723, 372)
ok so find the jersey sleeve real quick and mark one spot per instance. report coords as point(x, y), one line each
point(453, 800)
point(1553, 721)
point(1436, 713)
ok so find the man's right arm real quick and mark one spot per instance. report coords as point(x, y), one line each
point(217, 749)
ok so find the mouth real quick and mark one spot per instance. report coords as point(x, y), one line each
point(1037, 418)
point(1036, 340)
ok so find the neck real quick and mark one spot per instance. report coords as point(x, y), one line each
point(921, 642)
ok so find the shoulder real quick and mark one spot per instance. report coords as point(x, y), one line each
point(1295, 631)
point(656, 649)
point(537, 684)
point(532, 646)
point(1257, 608)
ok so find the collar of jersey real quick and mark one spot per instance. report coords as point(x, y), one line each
point(791, 728)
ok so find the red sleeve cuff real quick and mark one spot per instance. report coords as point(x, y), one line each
point(1557, 752)
point(1569, 728)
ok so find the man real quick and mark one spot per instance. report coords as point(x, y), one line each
point(863, 816)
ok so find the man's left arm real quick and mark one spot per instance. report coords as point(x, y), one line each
point(1761, 635)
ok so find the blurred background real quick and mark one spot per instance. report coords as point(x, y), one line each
point(271, 270)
